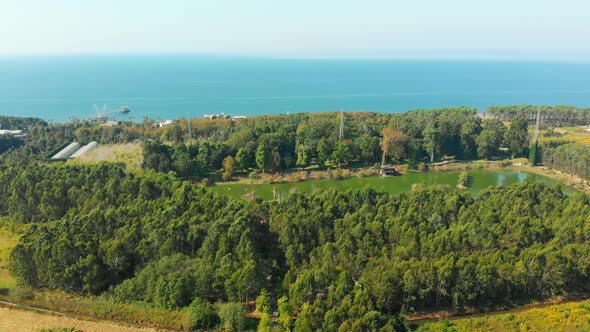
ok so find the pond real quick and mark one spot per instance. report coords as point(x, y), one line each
point(479, 179)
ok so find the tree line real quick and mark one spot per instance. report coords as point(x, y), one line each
point(551, 116)
point(274, 144)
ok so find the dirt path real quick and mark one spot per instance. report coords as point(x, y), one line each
point(18, 320)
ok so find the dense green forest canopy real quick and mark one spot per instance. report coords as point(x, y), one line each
point(571, 157)
point(274, 143)
point(331, 260)
point(559, 115)
point(325, 261)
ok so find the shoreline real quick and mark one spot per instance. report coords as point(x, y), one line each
point(562, 178)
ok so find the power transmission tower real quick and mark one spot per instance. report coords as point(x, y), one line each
point(536, 136)
point(341, 125)
point(190, 131)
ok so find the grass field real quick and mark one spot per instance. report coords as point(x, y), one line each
point(573, 134)
point(130, 154)
point(16, 320)
point(568, 316)
point(8, 239)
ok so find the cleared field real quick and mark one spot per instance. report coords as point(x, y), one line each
point(16, 320)
point(573, 134)
point(8, 240)
point(568, 316)
point(129, 154)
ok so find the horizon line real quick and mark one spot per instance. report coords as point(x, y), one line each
point(498, 58)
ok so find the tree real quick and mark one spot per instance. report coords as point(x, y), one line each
point(262, 301)
point(285, 313)
point(201, 315)
point(265, 324)
point(323, 151)
point(303, 155)
point(244, 158)
point(262, 157)
point(83, 134)
point(341, 154)
point(431, 140)
point(232, 316)
point(470, 129)
point(517, 137)
point(369, 149)
point(228, 167)
point(393, 143)
point(490, 139)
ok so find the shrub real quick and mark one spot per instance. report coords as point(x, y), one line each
point(263, 302)
point(200, 314)
point(232, 316)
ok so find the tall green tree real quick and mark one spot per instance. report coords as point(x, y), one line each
point(233, 316)
point(262, 157)
point(341, 154)
point(490, 139)
point(431, 140)
point(517, 137)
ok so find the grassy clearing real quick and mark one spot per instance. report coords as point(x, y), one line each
point(568, 316)
point(17, 320)
point(9, 236)
point(130, 154)
point(99, 308)
point(570, 134)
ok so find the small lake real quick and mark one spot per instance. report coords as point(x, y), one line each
point(479, 179)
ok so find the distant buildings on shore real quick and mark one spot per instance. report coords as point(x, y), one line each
point(14, 133)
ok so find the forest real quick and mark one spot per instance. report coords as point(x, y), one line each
point(571, 157)
point(275, 144)
point(325, 261)
point(556, 116)
point(225, 148)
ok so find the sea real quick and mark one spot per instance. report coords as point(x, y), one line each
point(59, 88)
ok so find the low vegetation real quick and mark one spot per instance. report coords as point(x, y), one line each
point(127, 153)
point(569, 316)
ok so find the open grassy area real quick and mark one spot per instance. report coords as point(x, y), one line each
point(568, 316)
point(16, 320)
point(130, 154)
point(571, 134)
point(95, 308)
point(8, 238)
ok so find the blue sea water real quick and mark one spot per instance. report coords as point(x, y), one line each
point(166, 87)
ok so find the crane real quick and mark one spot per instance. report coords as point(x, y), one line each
point(102, 112)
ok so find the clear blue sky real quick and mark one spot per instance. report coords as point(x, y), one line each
point(529, 29)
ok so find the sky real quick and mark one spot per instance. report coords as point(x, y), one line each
point(503, 29)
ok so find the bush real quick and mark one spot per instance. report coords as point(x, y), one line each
point(422, 167)
point(253, 175)
point(200, 314)
point(232, 316)
point(263, 302)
